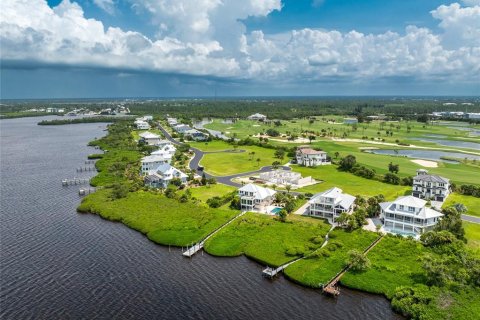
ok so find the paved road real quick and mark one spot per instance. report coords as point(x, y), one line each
point(198, 155)
point(470, 218)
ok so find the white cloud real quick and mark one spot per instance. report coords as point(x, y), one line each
point(106, 5)
point(471, 2)
point(207, 37)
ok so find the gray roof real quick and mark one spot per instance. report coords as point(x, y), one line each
point(430, 178)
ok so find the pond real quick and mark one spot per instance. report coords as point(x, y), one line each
point(451, 143)
point(435, 155)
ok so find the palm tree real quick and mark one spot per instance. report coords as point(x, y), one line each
point(288, 188)
point(258, 161)
point(274, 186)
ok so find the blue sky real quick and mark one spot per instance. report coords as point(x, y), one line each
point(155, 48)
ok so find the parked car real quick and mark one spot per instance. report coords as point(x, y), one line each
point(200, 168)
point(252, 178)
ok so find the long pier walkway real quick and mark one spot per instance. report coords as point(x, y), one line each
point(272, 272)
point(199, 246)
point(331, 286)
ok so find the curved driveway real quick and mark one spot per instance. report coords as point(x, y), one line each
point(198, 155)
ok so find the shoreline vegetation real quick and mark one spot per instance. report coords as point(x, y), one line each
point(431, 279)
point(108, 119)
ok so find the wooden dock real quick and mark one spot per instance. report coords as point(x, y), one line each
point(199, 246)
point(331, 287)
point(74, 181)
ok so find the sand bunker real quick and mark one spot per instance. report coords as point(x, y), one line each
point(426, 163)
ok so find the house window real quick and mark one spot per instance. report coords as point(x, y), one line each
point(411, 209)
point(401, 207)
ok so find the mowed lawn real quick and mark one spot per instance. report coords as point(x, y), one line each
point(268, 240)
point(348, 182)
point(395, 262)
point(224, 164)
point(206, 192)
point(164, 221)
point(472, 203)
point(329, 260)
point(472, 233)
point(212, 146)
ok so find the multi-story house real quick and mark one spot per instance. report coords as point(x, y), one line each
point(430, 187)
point(149, 138)
point(309, 157)
point(330, 203)
point(255, 198)
point(408, 215)
point(152, 162)
point(258, 117)
point(163, 175)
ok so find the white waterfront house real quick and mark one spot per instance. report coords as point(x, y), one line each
point(149, 138)
point(152, 162)
point(163, 175)
point(172, 122)
point(330, 203)
point(408, 215)
point(427, 186)
point(309, 157)
point(255, 198)
point(165, 149)
point(284, 177)
point(142, 125)
point(181, 128)
point(257, 117)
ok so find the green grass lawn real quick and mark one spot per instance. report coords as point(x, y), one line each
point(348, 182)
point(212, 146)
point(326, 262)
point(223, 164)
point(164, 221)
point(268, 240)
point(472, 233)
point(472, 203)
point(206, 192)
point(395, 262)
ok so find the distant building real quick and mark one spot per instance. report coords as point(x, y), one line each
point(330, 203)
point(181, 128)
point(149, 138)
point(152, 162)
point(309, 157)
point(148, 118)
point(172, 122)
point(257, 116)
point(426, 186)
point(163, 175)
point(408, 215)
point(255, 198)
point(473, 116)
point(350, 120)
point(284, 177)
point(142, 125)
point(196, 135)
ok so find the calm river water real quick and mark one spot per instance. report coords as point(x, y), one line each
point(57, 264)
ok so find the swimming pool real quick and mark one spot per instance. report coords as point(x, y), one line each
point(276, 210)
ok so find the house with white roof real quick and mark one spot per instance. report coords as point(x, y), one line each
point(152, 162)
point(196, 135)
point(408, 215)
point(255, 198)
point(172, 122)
point(308, 157)
point(163, 175)
point(181, 128)
point(165, 149)
point(257, 117)
point(141, 125)
point(149, 138)
point(427, 186)
point(330, 203)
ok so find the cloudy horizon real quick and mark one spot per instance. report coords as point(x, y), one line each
point(134, 48)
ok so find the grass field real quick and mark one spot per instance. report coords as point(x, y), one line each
point(395, 262)
point(348, 182)
point(324, 264)
point(268, 240)
point(164, 221)
point(206, 192)
point(472, 233)
point(223, 164)
point(212, 146)
point(244, 128)
point(472, 203)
